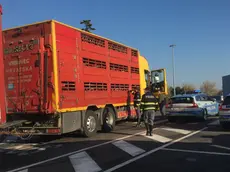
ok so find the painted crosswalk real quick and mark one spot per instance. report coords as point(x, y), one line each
point(102, 158)
point(216, 122)
point(129, 148)
point(83, 162)
point(159, 138)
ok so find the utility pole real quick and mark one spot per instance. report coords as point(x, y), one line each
point(173, 65)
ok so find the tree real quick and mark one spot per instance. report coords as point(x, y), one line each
point(88, 25)
point(209, 88)
point(179, 90)
point(188, 87)
point(220, 92)
point(170, 91)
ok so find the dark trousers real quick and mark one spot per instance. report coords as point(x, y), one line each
point(138, 112)
point(149, 116)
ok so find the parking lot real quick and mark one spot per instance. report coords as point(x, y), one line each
point(184, 147)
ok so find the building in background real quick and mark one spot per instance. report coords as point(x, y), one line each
point(226, 85)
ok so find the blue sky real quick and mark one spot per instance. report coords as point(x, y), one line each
point(199, 28)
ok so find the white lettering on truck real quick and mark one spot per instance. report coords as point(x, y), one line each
point(19, 62)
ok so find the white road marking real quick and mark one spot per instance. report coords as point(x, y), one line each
point(200, 152)
point(152, 151)
point(82, 162)
point(38, 150)
point(158, 138)
point(26, 170)
point(217, 122)
point(18, 147)
point(12, 152)
point(129, 148)
point(222, 147)
point(58, 146)
point(181, 131)
point(71, 153)
point(23, 153)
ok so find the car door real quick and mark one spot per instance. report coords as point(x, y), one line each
point(199, 102)
point(214, 106)
point(206, 104)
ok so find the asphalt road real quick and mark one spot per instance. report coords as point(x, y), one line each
point(193, 146)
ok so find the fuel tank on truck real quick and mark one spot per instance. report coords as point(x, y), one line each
point(26, 68)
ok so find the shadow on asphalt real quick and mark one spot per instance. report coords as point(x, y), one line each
point(191, 124)
point(120, 126)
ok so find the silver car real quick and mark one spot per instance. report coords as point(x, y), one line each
point(191, 105)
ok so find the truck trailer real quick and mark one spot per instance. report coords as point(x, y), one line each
point(60, 79)
point(226, 85)
point(2, 84)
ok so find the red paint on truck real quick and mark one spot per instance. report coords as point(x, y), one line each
point(2, 84)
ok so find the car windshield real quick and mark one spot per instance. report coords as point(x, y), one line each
point(175, 100)
point(227, 101)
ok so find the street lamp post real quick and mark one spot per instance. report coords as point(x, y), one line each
point(173, 64)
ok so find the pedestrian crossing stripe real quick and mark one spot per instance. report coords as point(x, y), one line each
point(158, 138)
point(217, 122)
point(82, 162)
point(181, 131)
point(26, 170)
point(128, 148)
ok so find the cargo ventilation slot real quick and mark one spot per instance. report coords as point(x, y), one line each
point(134, 53)
point(118, 67)
point(134, 87)
point(134, 70)
point(68, 86)
point(119, 87)
point(93, 86)
point(118, 48)
point(92, 40)
point(94, 63)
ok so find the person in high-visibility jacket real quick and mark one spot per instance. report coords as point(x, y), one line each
point(148, 105)
point(137, 103)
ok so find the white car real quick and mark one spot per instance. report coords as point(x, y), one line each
point(191, 105)
point(224, 115)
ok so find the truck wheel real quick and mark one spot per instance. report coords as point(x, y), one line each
point(108, 119)
point(90, 124)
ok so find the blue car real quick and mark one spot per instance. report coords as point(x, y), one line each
point(191, 105)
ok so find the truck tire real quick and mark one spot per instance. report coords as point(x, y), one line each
point(90, 124)
point(108, 120)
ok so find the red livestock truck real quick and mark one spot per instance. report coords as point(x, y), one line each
point(2, 84)
point(60, 79)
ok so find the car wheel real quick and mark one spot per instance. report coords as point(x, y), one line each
point(205, 115)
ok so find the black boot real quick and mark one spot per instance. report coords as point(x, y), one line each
point(147, 129)
point(150, 130)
